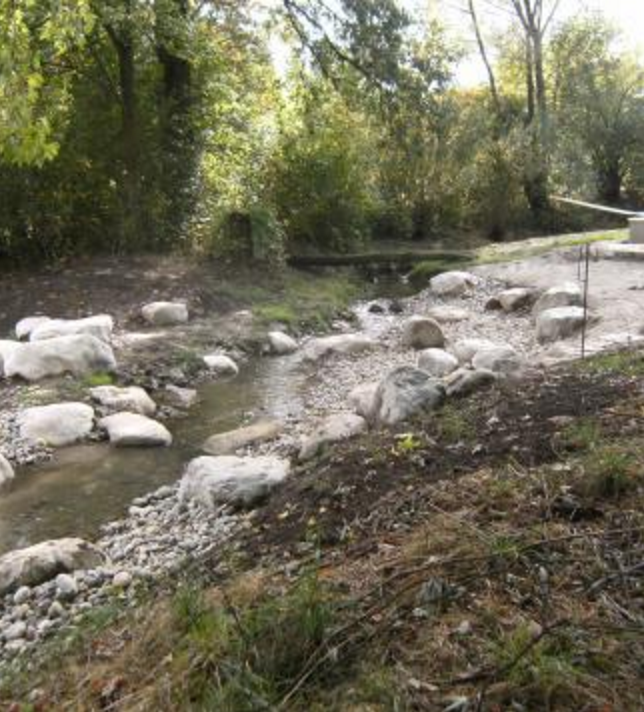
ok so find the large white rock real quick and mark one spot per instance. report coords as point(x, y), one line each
point(100, 326)
point(7, 348)
point(181, 397)
point(6, 471)
point(135, 430)
point(25, 326)
point(515, 298)
point(563, 295)
point(452, 284)
point(465, 381)
point(317, 348)
point(79, 354)
point(437, 362)
point(131, 398)
point(500, 359)
point(340, 426)
point(559, 323)
point(226, 443)
point(363, 399)
point(221, 365)
point(280, 343)
point(446, 314)
point(42, 562)
point(165, 313)
point(466, 349)
point(58, 424)
point(405, 392)
point(236, 481)
point(421, 332)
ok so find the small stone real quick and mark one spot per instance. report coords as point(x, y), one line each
point(123, 579)
point(56, 610)
point(66, 587)
point(15, 631)
point(22, 595)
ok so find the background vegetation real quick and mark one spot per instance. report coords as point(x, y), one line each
point(129, 126)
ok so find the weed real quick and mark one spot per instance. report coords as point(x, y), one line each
point(422, 272)
point(611, 472)
point(281, 313)
point(406, 443)
point(627, 363)
point(98, 379)
point(583, 434)
point(454, 426)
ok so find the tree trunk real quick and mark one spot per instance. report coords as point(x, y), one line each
point(609, 180)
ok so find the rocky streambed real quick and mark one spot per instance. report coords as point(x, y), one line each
point(396, 359)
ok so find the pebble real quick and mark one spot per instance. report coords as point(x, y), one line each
point(66, 587)
point(122, 579)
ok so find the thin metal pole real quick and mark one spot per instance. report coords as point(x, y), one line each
point(586, 278)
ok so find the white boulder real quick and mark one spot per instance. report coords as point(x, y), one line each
point(515, 298)
point(79, 354)
point(568, 294)
point(559, 323)
point(340, 426)
point(100, 326)
point(7, 348)
point(42, 562)
point(500, 359)
point(406, 392)
point(280, 343)
point(135, 430)
point(317, 348)
point(226, 443)
point(363, 399)
point(446, 314)
point(25, 326)
point(165, 313)
point(421, 332)
point(131, 398)
point(437, 362)
point(452, 284)
point(466, 349)
point(221, 365)
point(58, 424)
point(236, 481)
point(6, 471)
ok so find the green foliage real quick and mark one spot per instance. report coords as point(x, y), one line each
point(99, 379)
point(246, 659)
point(611, 472)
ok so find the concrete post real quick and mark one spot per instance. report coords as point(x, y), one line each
point(636, 226)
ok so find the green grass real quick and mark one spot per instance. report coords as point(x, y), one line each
point(523, 249)
point(422, 272)
point(454, 425)
point(627, 363)
point(611, 472)
point(98, 379)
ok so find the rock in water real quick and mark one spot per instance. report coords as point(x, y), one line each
point(236, 481)
point(221, 365)
point(466, 381)
point(437, 362)
point(421, 332)
point(42, 562)
point(568, 294)
point(131, 398)
point(280, 343)
point(317, 348)
point(25, 326)
point(181, 397)
point(405, 392)
point(58, 424)
point(340, 426)
point(452, 284)
point(501, 359)
point(80, 354)
point(165, 313)
point(227, 443)
point(7, 348)
point(100, 326)
point(135, 430)
point(6, 471)
point(559, 323)
point(362, 399)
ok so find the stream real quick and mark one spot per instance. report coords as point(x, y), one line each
point(85, 486)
